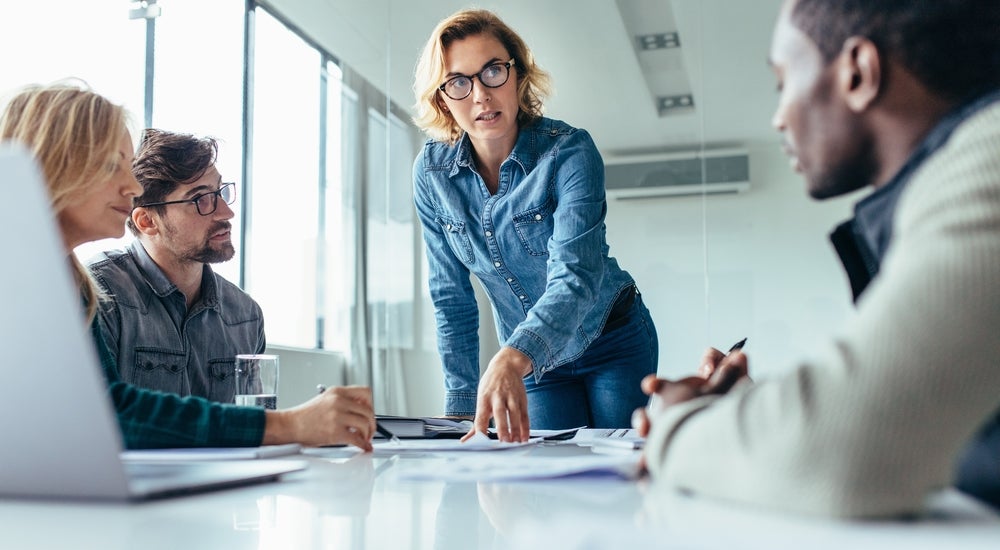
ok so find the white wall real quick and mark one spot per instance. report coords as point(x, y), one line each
point(771, 275)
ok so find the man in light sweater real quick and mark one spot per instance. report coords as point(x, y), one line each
point(903, 97)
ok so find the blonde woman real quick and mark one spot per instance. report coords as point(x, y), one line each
point(81, 142)
point(518, 200)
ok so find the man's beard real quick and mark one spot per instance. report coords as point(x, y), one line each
point(209, 255)
point(205, 253)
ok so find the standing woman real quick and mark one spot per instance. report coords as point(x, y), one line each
point(81, 142)
point(518, 200)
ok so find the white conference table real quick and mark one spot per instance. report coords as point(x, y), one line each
point(356, 501)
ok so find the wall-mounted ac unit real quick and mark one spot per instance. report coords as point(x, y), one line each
point(677, 174)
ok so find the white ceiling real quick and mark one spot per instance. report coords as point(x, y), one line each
point(583, 44)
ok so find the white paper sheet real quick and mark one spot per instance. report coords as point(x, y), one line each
point(478, 442)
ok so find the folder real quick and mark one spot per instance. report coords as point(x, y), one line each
point(422, 427)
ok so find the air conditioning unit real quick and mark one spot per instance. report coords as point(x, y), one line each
point(677, 174)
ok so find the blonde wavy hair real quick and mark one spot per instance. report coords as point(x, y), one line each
point(73, 133)
point(533, 84)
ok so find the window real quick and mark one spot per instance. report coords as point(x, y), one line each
point(338, 260)
point(282, 238)
point(327, 196)
point(92, 41)
point(198, 87)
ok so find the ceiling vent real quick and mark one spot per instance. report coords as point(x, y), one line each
point(677, 174)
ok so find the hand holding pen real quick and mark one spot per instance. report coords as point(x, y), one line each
point(717, 375)
point(391, 437)
point(714, 358)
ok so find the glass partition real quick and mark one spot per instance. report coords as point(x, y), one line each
point(331, 248)
point(739, 251)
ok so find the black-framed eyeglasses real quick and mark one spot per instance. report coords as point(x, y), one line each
point(459, 87)
point(206, 203)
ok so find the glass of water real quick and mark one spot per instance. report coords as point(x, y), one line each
point(257, 381)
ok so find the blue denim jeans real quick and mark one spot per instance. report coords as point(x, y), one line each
point(601, 388)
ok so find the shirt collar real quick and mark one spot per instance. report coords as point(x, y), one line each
point(872, 222)
point(162, 286)
point(523, 153)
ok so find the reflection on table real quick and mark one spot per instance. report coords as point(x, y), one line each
point(351, 500)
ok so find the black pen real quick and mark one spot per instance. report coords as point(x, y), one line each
point(737, 346)
point(320, 388)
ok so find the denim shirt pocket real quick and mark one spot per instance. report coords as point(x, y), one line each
point(534, 228)
point(457, 238)
point(161, 370)
point(221, 373)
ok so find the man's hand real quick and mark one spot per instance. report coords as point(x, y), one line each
point(502, 396)
point(339, 415)
point(717, 375)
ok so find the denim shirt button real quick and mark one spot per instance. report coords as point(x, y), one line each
point(522, 296)
point(448, 227)
point(496, 264)
point(510, 279)
point(489, 233)
point(538, 216)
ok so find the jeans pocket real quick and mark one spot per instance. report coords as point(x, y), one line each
point(160, 370)
point(221, 379)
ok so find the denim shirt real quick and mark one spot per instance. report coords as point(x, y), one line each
point(152, 420)
point(157, 343)
point(537, 246)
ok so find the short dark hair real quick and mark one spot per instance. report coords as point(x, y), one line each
point(952, 46)
point(166, 160)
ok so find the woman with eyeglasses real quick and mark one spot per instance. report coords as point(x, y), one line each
point(83, 146)
point(518, 200)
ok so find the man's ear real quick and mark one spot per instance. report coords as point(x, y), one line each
point(145, 221)
point(859, 74)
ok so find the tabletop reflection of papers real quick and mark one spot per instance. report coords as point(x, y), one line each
point(493, 467)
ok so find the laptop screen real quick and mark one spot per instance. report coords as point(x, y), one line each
point(61, 436)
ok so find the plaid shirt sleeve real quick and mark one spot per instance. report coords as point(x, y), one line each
point(151, 419)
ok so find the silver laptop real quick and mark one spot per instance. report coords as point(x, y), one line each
point(59, 436)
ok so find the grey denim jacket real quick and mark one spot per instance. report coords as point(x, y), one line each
point(159, 344)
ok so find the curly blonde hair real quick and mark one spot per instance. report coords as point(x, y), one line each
point(73, 134)
point(533, 83)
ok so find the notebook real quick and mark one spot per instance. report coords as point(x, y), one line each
point(423, 427)
point(60, 437)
